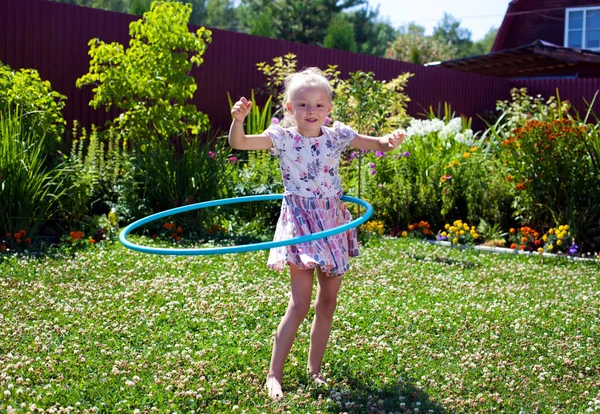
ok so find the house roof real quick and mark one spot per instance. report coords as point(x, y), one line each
point(536, 59)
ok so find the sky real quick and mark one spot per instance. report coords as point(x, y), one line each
point(478, 16)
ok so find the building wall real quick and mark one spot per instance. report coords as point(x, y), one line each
point(530, 20)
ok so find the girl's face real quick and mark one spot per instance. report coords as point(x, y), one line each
point(309, 106)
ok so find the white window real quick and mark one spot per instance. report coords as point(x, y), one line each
point(582, 28)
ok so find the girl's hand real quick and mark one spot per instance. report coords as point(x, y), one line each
point(241, 109)
point(395, 139)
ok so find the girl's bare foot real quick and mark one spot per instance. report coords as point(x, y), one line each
point(319, 379)
point(273, 386)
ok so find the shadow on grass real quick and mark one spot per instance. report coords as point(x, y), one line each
point(363, 396)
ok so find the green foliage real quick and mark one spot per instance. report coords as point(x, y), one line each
point(186, 170)
point(340, 35)
point(150, 82)
point(294, 20)
point(370, 106)
point(411, 45)
point(29, 190)
point(39, 106)
point(554, 175)
point(100, 178)
point(372, 35)
point(448, 31)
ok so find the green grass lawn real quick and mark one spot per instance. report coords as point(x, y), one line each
point(419, 328)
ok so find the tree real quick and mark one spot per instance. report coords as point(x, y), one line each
point(221, 14)
point(372, 35)
point(296, 20)
point(340, 34)
point(484, 45)
point(150, 82)
point(411, 45)
point(448, 31)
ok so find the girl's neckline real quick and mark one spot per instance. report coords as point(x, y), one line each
point(304, 136)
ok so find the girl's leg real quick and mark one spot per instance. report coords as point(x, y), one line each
point(321, 327)
point(302, 283)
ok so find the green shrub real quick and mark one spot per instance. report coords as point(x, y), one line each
point(554, 175)
point(39, 106)
point(150, 81)
point(29, 190)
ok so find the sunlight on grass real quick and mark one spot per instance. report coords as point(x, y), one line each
point(419, 328)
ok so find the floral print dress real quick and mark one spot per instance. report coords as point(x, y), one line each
point(311, 201)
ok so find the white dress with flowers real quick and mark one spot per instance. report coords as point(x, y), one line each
point(311, 200)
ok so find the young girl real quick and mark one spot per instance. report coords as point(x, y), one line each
point(309, 155)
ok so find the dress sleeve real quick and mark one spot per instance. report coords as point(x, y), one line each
point(277, 134)
point(344, 134)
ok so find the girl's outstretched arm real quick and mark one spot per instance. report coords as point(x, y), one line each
point(384, 144)
point(237, 137)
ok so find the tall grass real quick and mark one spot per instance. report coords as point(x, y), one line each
point(29, 189)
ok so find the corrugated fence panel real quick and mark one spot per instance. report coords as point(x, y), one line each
point(577, 91)
point(53, 38)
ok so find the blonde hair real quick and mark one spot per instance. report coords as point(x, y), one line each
point(308, 77)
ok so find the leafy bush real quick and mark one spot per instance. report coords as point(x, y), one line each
point(553, 175)
point(150, 81)
point(39, 106)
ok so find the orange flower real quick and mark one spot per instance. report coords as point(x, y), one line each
point(92, 240)
point(17, 236)
point(3, 248)
point(23, 233)
point(513, 246)
point(521, 247)
point(524, 239)
point(512, 231)
point(28, 240)
point(8, 235)
point(179, 230)
point(167, 226)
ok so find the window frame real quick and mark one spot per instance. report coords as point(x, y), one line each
point(568, 10)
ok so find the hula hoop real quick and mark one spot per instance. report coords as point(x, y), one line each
point(243, 248)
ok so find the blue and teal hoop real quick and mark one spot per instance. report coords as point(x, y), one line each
point(243, 248)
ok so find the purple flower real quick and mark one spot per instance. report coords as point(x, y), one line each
point(275, 121)
point(406, 154)
point(327, 120)
point(379, 154)
point(573, 249)
point(442, 238)
point(233, 160)
point(372, 165)
point(211, 154)
point(353, 155)
point(372, 172)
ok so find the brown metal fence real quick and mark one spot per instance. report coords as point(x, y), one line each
point(53, 38)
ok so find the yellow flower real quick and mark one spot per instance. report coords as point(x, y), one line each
point(404, 233)
point(462, 232)
point(444, 234)
point(475, 236)
point(566, 226)
point(551, 231)
point(541, 250)
point(545, 238)
point(467, 154)
point(550, 247)
point(466, 226)
point(559, 242)
point(473, 149)
point(447, 226)
point(455, 240)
